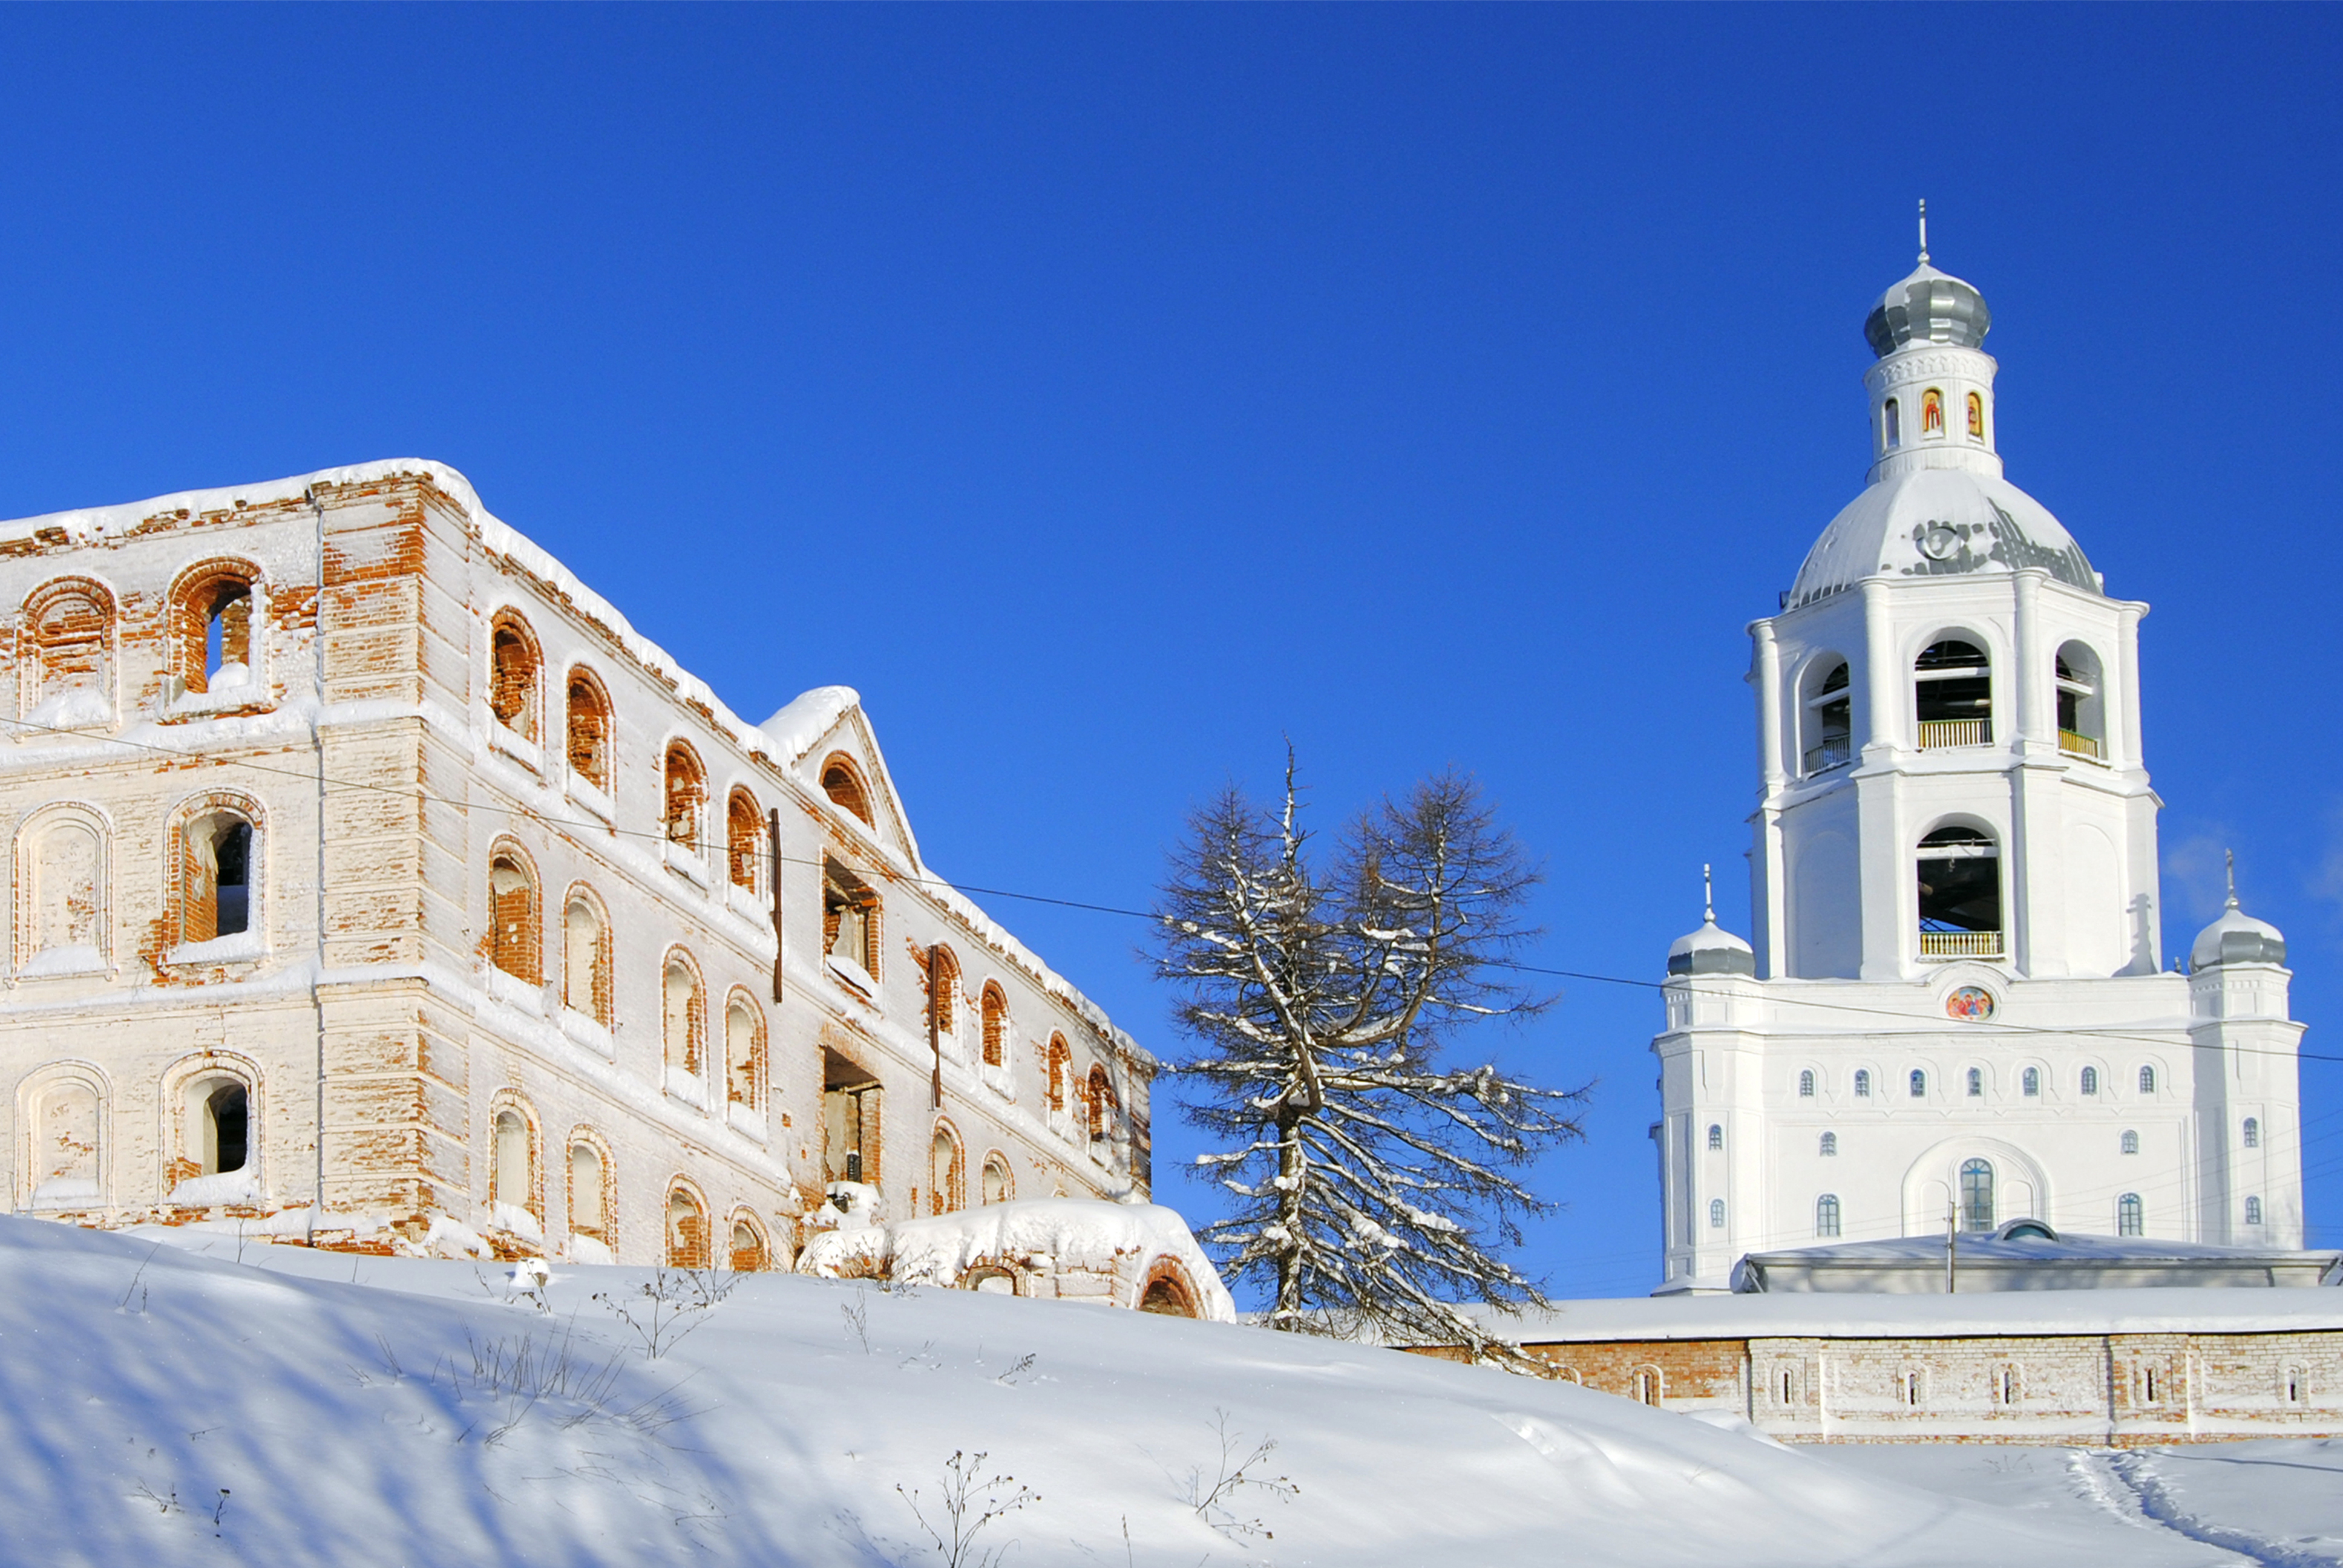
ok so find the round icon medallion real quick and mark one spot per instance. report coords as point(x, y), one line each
point(1972, 1004)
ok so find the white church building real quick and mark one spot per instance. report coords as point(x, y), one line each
point(1955, 1009)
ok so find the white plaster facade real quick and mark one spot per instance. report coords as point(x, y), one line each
point(1949, 666)
point(500, 982)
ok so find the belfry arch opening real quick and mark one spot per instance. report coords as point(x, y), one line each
point(1958, 874)
point(2082, 701)
point(1952, 695)
point(1828, 709)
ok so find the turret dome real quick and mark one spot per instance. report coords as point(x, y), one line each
point(1928, 306)
point(2237, 938)
point(1711, 949)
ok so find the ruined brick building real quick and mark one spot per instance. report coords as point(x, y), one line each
point(375, 879)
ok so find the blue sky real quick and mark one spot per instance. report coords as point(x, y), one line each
point(1110, 394)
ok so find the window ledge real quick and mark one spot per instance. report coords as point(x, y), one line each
point(81, 959)
point(1000, 1079)
point(242, 694)
point(744, 902)
point(586, 1032)
point(240, 946)
point(68, 1192)
point(683, 858)
point(224, 1187)
point(851, 975)
point(514, 991)
point(683, 1087)
point(746, 1121)
point(583, 792)
point(73, 710)
point(520, 747)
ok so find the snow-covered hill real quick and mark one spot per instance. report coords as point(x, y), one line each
point(161, 1406)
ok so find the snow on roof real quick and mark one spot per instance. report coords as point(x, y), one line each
point(2064, 1247)
point(1075, 1232)
point(2165, 1310)
point(807, 717)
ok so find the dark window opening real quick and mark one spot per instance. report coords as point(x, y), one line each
point(1976, 1196)
point(227, 1108)
point(232, 852)
point(1960, 881)
point(1952, 692)
point(1831, 723)
point(850, 1121)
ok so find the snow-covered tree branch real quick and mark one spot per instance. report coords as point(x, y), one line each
point(1372, 1185)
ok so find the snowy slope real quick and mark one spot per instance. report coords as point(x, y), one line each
point(157, 1405)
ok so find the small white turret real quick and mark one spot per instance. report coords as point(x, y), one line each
point(2235, 937)
point(1932, 390)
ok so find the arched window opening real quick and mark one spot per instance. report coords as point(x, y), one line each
point(849, 1120)
point(512, 1172)
point(1891, 423)
point(2090, 1080)
point(997, 1187)
point(221, 851)
point(684, 1022)
point(744, 1053)
point(513, 922)
point(2148, 1080)
point(945, 1180)
point(1976, 418)
point(842, 782)
point(1829, 719)
point(1976, 1083)
point(2253, 1211)
point(1932, 412)
point(1826, 1217)
point(1958, 876)
point(1716, 1213)
point(744, 838)
point(1168, 1295)
point(589, 1193)
point(1830, 1146)
point(687, 1230)
point(1863, 1084)
point(996, 1026)
point(2130, 1144)
point(2292, 1379)
point(220, 1129)
point(214, 624)
point(2253, 1130)
point(1952, 694)
point(2131, 1216)
point(2004, 1385)
point(1101, 1104)
point(512, 676)
point(2029, 1082)
point(589, 730)
point(1061, 1068)
point(1919, 1084)
point(1807, 1084)
point(1977, 1195)
point(71, 628)
point(849, 918)
point(69, 1123)
point(2082, 706)
point(748, 1252)
point(1715, 1136)
point(63, 867)
point(1647, 1387)
point(586, 959)
point(943, 992)
point(686, 792)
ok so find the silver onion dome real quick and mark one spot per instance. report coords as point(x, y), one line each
point(1929, 306)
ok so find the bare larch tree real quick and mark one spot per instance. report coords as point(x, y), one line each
point(1372, 1186)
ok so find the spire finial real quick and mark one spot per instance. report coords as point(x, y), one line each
point(1707, 895)
point(1924, 231)
point(2231, 855)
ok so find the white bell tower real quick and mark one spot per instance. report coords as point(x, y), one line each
point(1955, 992)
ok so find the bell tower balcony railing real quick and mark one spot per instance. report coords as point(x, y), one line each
point(1836, 752)
point(1960, 944)
point(1937, 734)
point(2076, 744)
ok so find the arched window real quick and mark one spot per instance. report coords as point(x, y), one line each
point(1829, 716)
point(585, 957)
point(1102, 1105)
point(222, 853)
point(512, 1172)
point(1952, 693)
point(2090, 1080)
point(589, 1193)
point(1715, 1136)
point(996, 1026)
point(223, 1124)
point(943, 992)
point(1168, 1293)
point(1826, 1216)
point(997, 1187)
point(851, 1106)
point(744, 1053)
point(1716, 1213)
point(1958, 875)
point(1061, 1067)
point(589, 729)
point(2029, 1082)
point(1863, 1084)
point(2082, 704)
point(68, 1127)
point(1976, 1083)
point(749, 1251)
point(1891, 423)
point(744, 838)
point(2253, 1211)
point(1805, 1083)
point(62, 891)
point(2253, 1130)
point(1830, 1145)
point(842, 780)
point(1976, 418)
point(512, 675)
point(212, 622)
point(2130, 1144)
point(849, 918)
point(1647, 1386)
point(514, 925)
point(219, 1126)
point(684, 1019)
point(945, 1179)
point(686, 792)
point(1932, 412)
point(687, 1230)
point(2131, 1218)
point(1919, 1084)
point(1977, 1195)
point(2148, 1080)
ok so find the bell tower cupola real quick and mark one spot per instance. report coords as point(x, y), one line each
point(1932, 389)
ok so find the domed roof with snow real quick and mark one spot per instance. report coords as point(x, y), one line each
point(1928, 306)
point(1939, 522)
point(1711, 949)
point(2235, 937)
